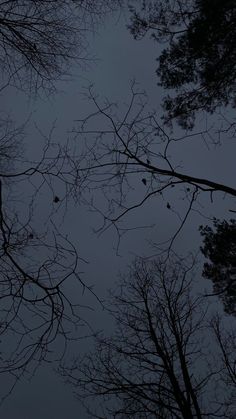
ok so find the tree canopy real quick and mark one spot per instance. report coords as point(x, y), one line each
point(115, 159)
point(219, 247)
point(157, 363)
point(198, 62)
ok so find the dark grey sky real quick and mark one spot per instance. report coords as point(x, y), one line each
point(120, 59)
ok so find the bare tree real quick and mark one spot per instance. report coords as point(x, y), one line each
point(226, 341)
point(131, 158)
point(161, 360)
point(39, 265)
point(40, 39)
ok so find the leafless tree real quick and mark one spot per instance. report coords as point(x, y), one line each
point(131, 158)
point(161, 361)
point(226, 341)
point(39, 38)
point(40, 268)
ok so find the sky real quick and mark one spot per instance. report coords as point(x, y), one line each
point(117, 62)
point(119, 59)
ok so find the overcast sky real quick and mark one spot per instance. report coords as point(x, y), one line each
point(119, 59)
